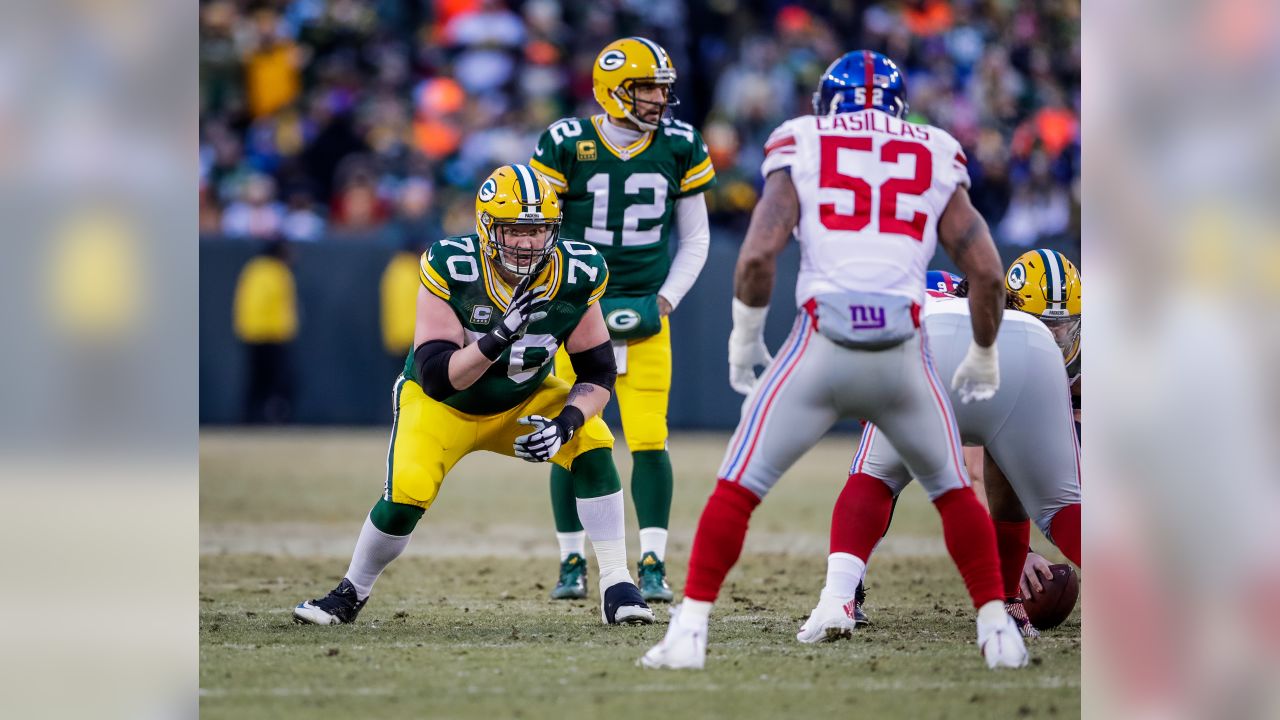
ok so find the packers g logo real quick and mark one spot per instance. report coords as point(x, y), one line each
point(1017, 277)
point(612, 60)
point(488, 190)
point(622, 320)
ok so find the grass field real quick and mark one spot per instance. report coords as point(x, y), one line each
point(460, 625)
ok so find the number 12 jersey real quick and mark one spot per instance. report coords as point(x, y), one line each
point(871, 189)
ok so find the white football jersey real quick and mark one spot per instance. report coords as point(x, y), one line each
point(943, 304)
point(871, 190)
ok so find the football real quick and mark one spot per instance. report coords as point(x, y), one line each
point(1050, 608)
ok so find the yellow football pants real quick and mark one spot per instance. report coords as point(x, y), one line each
point(642, 390)
point(428, 438)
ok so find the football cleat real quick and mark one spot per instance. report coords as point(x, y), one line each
point(860, 618)
point(572, 584)
point(1019, 615)
point(653, 579)
point(621, 604)
point(681, 648)
point(831, 620)
point(339, 607)
point(1001, 644)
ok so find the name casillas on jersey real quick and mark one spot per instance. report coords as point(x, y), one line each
point(455, 270)
point(622, 199)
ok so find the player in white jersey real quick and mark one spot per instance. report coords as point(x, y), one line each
point(869, 196)
point(1027, 431)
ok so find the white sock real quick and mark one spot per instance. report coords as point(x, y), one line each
point(694, 614)
point(611, 556)
point(571, 542)
point(654, 540)
point(992, 613)
point(844, 572)
point(602, 518)
point(374, 551)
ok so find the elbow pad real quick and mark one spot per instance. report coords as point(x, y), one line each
point(431, 365)
point(596, 366)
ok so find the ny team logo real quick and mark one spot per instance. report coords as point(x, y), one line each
point(867, 317)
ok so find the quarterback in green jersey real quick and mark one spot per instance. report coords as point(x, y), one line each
point(630, 179)
point(492, 311)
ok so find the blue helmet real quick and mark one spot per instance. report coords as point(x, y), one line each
point(861, 80)
point(941, 281)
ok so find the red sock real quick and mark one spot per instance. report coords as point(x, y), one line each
point(718, 541)
point(971, 540)
point(1011, 543)
point(1065, 528)
point(861, 516)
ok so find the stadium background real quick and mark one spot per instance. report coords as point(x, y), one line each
point(356, 131)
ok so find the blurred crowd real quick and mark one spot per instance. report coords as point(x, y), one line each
point(374, 120)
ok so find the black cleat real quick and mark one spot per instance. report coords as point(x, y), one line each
point(339, 607)
point(621, 604)
point(860, 618)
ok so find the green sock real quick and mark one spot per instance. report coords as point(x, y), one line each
point(594, 475)
point(563, 504)
point(395, 518)
point(651, 487)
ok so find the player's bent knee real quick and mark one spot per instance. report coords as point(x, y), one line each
point(594, 474)
point(395, 518)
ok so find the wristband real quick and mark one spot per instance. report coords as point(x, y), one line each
point(491, 347)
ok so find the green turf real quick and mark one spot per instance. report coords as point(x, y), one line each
point(460, 626)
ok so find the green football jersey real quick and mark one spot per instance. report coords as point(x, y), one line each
point(622, 200)
point(455, 270)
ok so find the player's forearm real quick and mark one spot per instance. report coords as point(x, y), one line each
point(466, 366)
point(691, 254)
point(753, 279)
point(975, 254)
point(588, 398)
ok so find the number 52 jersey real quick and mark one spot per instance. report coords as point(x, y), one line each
point(871, 189)
point(622, 199)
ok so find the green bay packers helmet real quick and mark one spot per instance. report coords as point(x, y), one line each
point(624, 64)
point(1049, 286)
point(514, 196)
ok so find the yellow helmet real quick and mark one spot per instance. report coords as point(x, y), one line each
point(622, 65)
point(516, 196)
point(1049, 286)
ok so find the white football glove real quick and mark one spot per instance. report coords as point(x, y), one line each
point(746, 346)
point(978, 376)
point(544, 442)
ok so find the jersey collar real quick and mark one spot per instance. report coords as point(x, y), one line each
point(623, 153)
point(500, 292)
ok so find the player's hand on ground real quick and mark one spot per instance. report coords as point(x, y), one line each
point(745, 353)
point(544, 442)
point(524, 309)
point(978, 376)
point(1033, 569)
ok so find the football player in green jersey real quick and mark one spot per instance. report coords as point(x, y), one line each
point(627, 177)
point(492, 310)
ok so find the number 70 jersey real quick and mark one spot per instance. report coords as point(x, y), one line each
point(456, 271)
point(871, 189)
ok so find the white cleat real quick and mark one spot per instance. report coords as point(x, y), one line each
point(1001, 644)
point(830, 621)
point(681, 649)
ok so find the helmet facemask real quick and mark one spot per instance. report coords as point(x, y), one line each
point(631, 105)
point(1066, 333)
point(511, 246)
